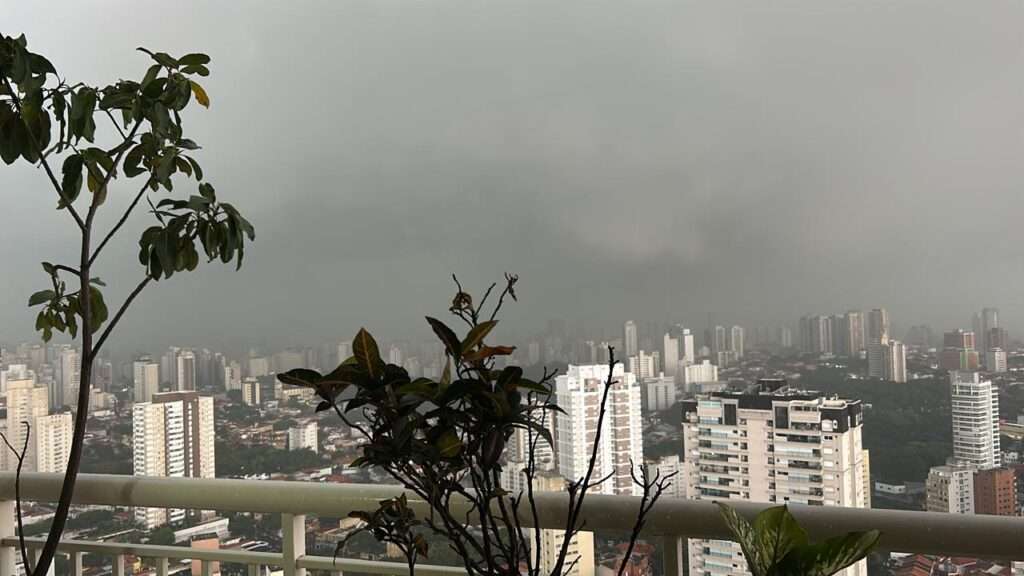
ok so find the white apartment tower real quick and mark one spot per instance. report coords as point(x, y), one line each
point(578, 392)
point(736, 335)
point(186, 371)
point(975, 407)
point(146, 376)
point(950, 489)
point(660, 392)
point(303, 437)
point(52, 437)
point(26, 403)
point(670, 354)
point(770, 444)
point(894, 361)
point(173, 436)
point(878, 336)
point(644, 365)
point(630, 339)
point(70, 376)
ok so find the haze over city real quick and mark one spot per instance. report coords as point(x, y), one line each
point(649, 161)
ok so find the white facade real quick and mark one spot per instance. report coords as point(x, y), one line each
point(578, 392)
point(950, 489)
point(303, 437)
point(995, 360)
point(770, 446)
point(251, 392)
point(186, 371)
point(660, 392)
point(699, 373)
point(670, 354)
point(644, 365)
point(688, 349)
point(146, 376)
point(70, 376)
point(52, 436)
point(173, 436)
point(975, 408)
point(894, 361)
point(630, 339)
point(26, 403)
point(736, 345)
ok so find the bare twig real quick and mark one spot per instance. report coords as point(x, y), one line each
point(17, 492)
point(120, 312)
point(652, 488)
point(120, 222)
point(578, 488)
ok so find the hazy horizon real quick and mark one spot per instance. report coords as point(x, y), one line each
point(639, 161)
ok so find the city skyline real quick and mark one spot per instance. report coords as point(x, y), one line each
point(740, 171)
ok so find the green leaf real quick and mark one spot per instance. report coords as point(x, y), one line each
point(777, 534)
point(447, 337)
point(300, 377)
point(98, 308)
point(40, 65)
point(71, 180)
point(194, 59)
point(830, 556)
point(364, 348)
point(449, 445)
point(477, 334)
point(41, 297)
point(743, 533)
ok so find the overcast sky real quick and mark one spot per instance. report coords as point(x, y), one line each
point(755, 160)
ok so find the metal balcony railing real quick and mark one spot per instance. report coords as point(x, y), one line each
point(673, 520)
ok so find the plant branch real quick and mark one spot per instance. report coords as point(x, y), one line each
point(17, 491)
point(109, 176)
point(120, 222)
point(120, 312)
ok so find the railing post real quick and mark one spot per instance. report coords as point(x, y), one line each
point(673, 555)
point(117, 568)
point(293, 527)
point(162, 565)
point(75, 560)
point(7, 524)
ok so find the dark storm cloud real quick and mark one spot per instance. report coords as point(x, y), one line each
point(651, 160)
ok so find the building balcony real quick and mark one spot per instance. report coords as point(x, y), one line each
point(672, 520)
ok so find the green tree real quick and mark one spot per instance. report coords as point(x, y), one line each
point(130, 130)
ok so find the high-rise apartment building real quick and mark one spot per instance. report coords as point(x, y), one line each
point(173, 436)
point(850, 331)
point(660, 392)
point(644, 365)
point(186, 369)
point(251, 392)
point(816, 334)
point(770, 444)
point(983, 324)
point(70, 376)
point(894, 361)
point(27, 402)
point(950, 489)
point(995, 492)
point(578, 392)
point(975, 410)
point(146, 376)
point(630, 338)
point(304, 437)
point(995, 360)
point(959, 351)
point(699, 373)
point(52, 438)
point(736, 343)
point(877, 337)
point(670, 353)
